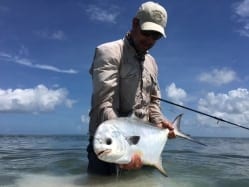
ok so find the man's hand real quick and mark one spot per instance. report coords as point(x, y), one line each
point(167, 125)
point(136, 163)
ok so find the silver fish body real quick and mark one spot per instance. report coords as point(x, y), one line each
point(117, 140)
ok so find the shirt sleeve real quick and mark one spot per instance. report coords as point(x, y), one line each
point(105, 70)
point(155, 114)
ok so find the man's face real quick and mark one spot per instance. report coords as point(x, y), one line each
point(144, 40)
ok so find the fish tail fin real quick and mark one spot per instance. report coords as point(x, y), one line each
point(177, 131)
point(159, 166)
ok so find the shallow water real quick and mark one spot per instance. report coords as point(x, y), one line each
point(61, 161)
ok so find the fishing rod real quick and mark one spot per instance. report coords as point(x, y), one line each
point(199, 112)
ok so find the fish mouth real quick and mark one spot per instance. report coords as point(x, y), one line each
point(103, 152)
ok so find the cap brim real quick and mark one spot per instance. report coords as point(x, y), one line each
point(153, 27)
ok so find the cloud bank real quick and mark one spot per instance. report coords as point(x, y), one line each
point(241, 11)
point(108, 14)
point(232, 106)
point(33, 100)
point(218, 77)
point(177, 95)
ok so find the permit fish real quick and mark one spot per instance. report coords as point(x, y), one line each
point(117, 140)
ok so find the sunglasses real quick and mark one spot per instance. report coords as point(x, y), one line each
point(153, 34)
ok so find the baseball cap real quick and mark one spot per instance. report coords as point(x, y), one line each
point(152, 16)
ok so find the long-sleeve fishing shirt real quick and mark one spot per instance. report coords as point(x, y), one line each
point(123, 84)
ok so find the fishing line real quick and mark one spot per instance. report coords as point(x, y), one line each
point(199, 112)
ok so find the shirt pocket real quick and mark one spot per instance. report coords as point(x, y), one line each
point(129, 79)
point(128, 71)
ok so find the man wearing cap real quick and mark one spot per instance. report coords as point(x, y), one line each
point(124, 77)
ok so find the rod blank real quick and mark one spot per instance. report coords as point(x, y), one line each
point(199, 112)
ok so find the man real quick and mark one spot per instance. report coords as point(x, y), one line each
point(124, 78)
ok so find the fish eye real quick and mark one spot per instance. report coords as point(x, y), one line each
point(108, 141)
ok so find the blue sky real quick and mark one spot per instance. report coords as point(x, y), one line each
point(46, 49)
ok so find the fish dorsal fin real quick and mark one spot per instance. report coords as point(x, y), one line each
point(177, 131)
point(177, 121)
point(133, 140)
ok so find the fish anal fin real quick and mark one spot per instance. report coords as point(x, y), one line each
point(133, 140)
point(159, 166)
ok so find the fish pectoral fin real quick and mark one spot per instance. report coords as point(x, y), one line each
point(159, 166)
point(133, 140)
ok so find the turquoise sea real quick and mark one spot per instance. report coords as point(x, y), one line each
point(60, 161)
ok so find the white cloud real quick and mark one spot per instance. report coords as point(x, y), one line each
point(241, 11)
point(53, 35)
point(5, 55)
point(101, 14)
point(84, 119)
point(218, 77)
point(84, 126)
point(26, 62)
point(34, 100)
point(58, 35)
point(232, 106)
point(176, 94)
